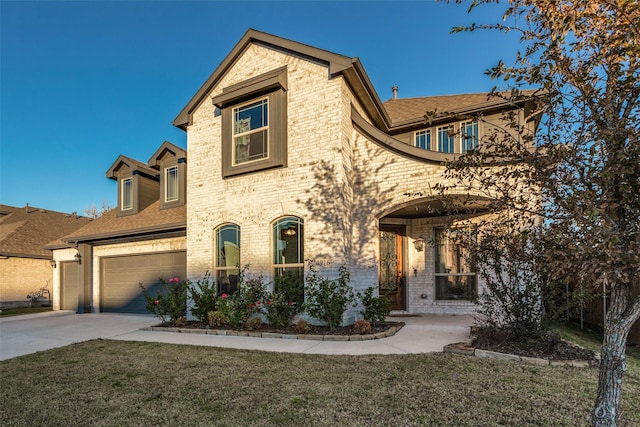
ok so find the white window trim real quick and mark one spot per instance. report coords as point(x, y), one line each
point(166, 184)
point(426, 132)
point(122, 194)
point(250, 132)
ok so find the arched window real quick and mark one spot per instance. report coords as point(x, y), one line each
point(227, 258)
point(288, 252)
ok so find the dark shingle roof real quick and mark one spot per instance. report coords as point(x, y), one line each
point(150, 219)
point(26, 231)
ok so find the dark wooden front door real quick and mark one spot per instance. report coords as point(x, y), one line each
point(391, 277)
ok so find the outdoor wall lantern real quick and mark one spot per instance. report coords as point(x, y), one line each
point(419, 244)
point(78, 257)
point(53, 263)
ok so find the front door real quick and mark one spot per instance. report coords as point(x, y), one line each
point(392, 282)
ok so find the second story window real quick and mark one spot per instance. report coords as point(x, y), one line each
point(171, 184)
point(446, 139)
point(469, 136)
point(127, 194)
point(251, 132)
point(423, 139)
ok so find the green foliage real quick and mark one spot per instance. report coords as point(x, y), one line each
point(280, 310)
point(216, 318)
point(204, 295)
point(376, 309)
point(254, 324)
point(303, 327)
point(327, 300)
point(290, 286)
point(236, 308)
point(170, 303)
point(362, 327)
point(285, 301)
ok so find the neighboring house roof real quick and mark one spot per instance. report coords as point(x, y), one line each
point(24, 232)
point(150, 220)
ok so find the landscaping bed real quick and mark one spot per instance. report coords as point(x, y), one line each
point(547, 348)
point(341, 333)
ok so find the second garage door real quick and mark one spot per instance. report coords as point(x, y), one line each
point(122, 275)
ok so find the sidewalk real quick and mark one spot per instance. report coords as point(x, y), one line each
point(28, 334)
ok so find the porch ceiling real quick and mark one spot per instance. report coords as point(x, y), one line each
point(441, 207)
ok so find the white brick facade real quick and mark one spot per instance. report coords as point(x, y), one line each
point(337, 180)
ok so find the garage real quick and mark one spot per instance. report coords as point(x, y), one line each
point(121, 277)
point(69, 280)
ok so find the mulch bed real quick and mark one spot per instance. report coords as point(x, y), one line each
point(291, 330)
point(546, 346)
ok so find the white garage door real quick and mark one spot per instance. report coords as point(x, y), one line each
point(121, 278)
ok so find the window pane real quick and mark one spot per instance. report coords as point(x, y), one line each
point(171, 184)
point(251, 147)
point(456, 287)
point(446, 139)
point(288, 237)
point(469, 136)
point(450, 255)
point(228, 246)
point(127, 193)
point(251, 117)
point(423, 139)
point(227, 262)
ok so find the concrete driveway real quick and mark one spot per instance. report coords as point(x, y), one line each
point(20, 335)
point(28, 334)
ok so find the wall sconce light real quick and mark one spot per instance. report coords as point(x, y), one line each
point(53, 263)
point(419, 244)
point(78, 257)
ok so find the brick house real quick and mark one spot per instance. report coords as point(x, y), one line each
point(294, 157)
point(25, 263)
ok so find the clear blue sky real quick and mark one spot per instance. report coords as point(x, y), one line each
point(83, 82)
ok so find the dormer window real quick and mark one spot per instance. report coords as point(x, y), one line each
point(170, 162)
point(127, 194)
point(171, 189)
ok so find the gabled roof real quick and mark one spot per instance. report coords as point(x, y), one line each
point(24, 232)
point(349, 67)
point(394, 116)
point(133, 164)
point(151, 219)
point(166, 147)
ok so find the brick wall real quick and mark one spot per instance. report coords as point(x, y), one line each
point(21, 276)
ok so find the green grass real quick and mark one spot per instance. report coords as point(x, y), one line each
point(18, 311)
point(127, 383)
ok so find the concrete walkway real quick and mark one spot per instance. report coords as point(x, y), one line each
point(27, 334)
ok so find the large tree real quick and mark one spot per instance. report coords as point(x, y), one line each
point(582, 167)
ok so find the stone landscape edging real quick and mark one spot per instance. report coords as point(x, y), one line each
point(258, 334)
point(465, 348)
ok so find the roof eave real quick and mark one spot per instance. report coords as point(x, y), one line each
point(127, 233)
point(337, 64)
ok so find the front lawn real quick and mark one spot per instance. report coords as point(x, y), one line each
point(127, 383)
point(19, 311)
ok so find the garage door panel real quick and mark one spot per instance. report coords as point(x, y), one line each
point(122, 276)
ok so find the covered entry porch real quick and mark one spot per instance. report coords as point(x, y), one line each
point(421, 269)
